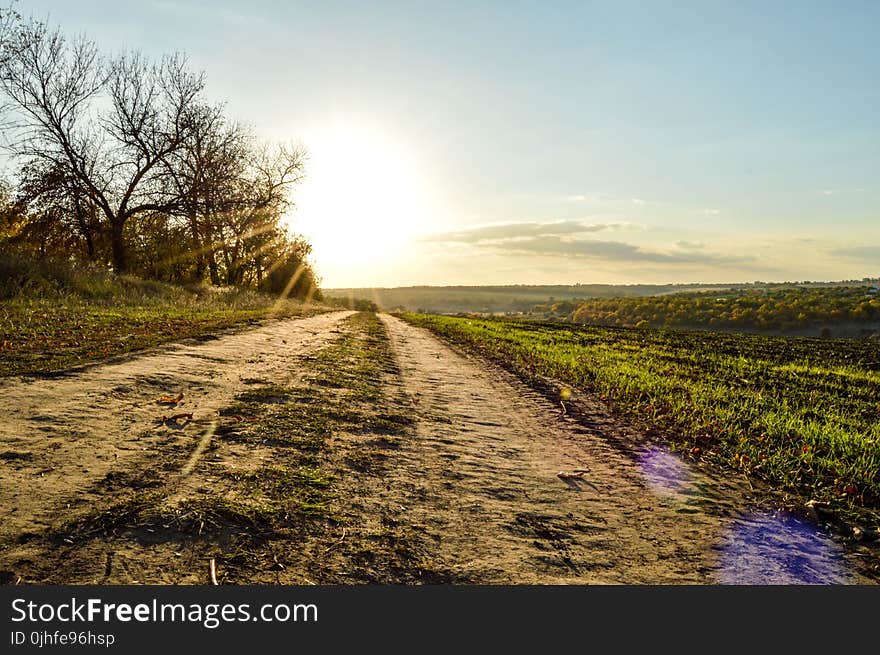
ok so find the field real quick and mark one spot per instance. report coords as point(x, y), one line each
point(800, 414)
point(760, 305)
point(349, 447)
point(517, 298)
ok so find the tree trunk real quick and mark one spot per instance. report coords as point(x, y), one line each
point(213, 269)
point(84, 225)
point(117, 244)
point(201, 263)
point(90, 245)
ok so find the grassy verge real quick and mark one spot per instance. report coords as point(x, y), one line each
point(801, 414)
point(54, 331)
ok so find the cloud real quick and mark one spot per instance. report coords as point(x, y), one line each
point(581, 197)
point(858, 252)
point(508, 231)
point(838, 192)
point(690, 245)
point(555, 246)
point(569, 239)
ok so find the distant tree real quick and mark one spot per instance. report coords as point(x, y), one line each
point(292, 276)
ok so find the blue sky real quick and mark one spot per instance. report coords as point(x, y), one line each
point(550, 142)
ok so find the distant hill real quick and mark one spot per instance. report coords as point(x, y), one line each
point(511, 299)
point(488, 299)
point(830, 311)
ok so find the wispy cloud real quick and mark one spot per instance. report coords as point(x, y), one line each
point(509, 231)
point(582, 197)
point(571, 239)
point(690, 245)
point(838, 192)
point(617, 251)
point(858, 252)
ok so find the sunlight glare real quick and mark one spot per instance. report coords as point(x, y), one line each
point(361, 202)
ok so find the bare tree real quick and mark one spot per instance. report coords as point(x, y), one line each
point(123, 158)
point(108, 124)
point(251, 239)
point(205, 175)
point(233, 194)
point(57, 203)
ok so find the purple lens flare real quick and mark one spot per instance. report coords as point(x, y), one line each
point(664, 473)
point(766, 549)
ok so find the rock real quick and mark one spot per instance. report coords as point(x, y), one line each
point(864, 534)
point(817, 508)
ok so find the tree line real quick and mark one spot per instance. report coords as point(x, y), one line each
point(767, 309)
point(121, 163)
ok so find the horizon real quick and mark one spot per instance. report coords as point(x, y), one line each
point(695, 143)
point(858, 281)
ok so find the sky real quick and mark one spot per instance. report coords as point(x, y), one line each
point(548, 142)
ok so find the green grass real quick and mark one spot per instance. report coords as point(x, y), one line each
point(57, 331)
point(802, 414)
point(307, 486)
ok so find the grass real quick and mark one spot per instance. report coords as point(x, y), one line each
point(801, 414)
point(307, 486)
point(149, 510)
point(51, 331)
point(343, 385)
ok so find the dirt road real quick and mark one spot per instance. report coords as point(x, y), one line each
point(59, 437)
point(497, 482)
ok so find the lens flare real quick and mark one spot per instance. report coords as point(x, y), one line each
point(763, 549)
point(664, 473)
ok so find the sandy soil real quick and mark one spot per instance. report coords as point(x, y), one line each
point(493, 484)
point(59, 437)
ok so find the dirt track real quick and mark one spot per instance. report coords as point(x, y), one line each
point(501, 485)
point(60, 436)
point(487, 464)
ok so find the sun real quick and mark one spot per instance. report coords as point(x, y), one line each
point(361, 202)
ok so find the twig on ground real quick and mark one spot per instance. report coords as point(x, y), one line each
point(335, 543)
